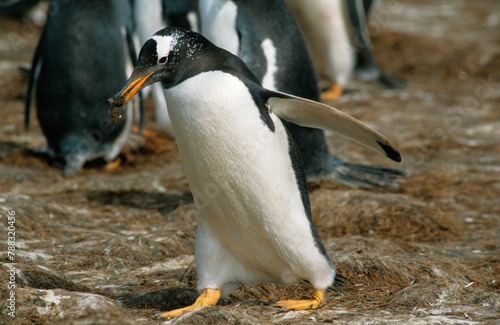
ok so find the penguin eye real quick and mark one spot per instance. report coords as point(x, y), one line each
point(162, 60)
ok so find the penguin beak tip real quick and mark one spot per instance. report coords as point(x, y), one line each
point(117, 106)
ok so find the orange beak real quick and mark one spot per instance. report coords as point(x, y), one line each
point(124, 96)
point(120, 99)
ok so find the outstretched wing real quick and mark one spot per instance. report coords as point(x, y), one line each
point(316, 115)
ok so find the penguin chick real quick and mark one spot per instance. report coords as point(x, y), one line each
point(243, 166)
point(80, 59)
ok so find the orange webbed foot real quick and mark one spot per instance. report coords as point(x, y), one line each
point(208, 297)
point(318, 299)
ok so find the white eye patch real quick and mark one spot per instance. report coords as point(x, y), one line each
point(164, 44)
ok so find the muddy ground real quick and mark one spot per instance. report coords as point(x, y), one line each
point(116, 247)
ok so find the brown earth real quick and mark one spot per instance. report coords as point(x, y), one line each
point(116, 247)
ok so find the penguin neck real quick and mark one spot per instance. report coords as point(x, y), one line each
point(208, 58)
point(211, 96)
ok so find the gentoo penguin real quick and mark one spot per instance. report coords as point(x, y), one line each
point(276, 53)
point(151, 16)
point(80, 59)
point(148, 18)
point(242, 165)
point(366, 66)
point(338, 39)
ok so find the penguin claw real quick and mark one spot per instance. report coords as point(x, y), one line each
point(340, 281)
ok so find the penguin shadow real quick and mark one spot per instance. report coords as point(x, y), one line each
point(18, 154)
point(178, 297)
point(162, 202)
point(165, 299)
point(174, 298)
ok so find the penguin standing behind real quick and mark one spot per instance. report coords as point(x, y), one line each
point(80, 59)
point(243, 166)
point(338, 36)
point(148, 18)
point(264, 34)
point(151, 16)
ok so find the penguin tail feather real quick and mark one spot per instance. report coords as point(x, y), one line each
point(340, 282)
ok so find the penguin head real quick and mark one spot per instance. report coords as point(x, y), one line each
point(170, 56)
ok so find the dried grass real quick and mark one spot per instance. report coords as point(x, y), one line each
point(355, 212)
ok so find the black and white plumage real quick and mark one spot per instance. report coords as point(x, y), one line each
point(264, 34)
point(80, 59)
point(242, 165)
point(366, 66)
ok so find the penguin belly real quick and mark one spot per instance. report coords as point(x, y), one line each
point(252, 224)
point(325, 26)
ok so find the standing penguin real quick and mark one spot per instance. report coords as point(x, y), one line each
point(340, 41)
point(153, 15)
point(236, 148)
point(80, 59)
point(264, 34)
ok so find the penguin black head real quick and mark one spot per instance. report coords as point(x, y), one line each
point(173, 55)
point(159, 60)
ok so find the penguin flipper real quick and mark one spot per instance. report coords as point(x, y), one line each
point(36, 66)
point(74, 161)
point(312, 114)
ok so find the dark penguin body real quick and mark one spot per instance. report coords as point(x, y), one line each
point(80, 60)
point(266, 37)
point(254, 218)
point(366, 66)
point(181, 13)
point(16, 7)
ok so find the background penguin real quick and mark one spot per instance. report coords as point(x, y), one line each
point(81, 58)
point(182, 13)
point(265, 36)
point(151, 16)
point(16, 7)
point(366, 66)
point(33, 11)
point(340, 42)
point(236, 147)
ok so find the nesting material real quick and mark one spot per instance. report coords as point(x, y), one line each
point(356, 212)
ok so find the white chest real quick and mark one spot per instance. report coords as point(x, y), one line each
point(252, 224)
